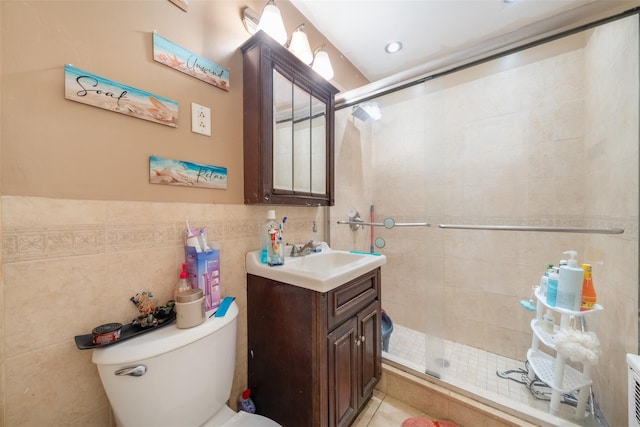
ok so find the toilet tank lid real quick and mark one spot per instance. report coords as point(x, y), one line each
point(161, 341)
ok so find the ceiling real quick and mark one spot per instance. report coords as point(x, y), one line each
point(433, 31)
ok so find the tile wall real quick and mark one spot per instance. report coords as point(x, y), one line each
point(70, 265)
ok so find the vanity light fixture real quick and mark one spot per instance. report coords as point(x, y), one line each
point(250, 19)
point(272, 24)
point(299, 45)
point(322, 64)
point(393, 47)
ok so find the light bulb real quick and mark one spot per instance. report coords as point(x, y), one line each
point(271, 23)
point(299, 45)
point(322, 64)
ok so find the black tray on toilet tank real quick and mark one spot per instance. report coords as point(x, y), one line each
point(85, 342)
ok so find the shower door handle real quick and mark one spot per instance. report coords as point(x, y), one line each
point(132, 371)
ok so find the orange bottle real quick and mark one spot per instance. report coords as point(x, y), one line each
point(588, 291)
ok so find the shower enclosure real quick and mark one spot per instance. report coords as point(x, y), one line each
point(543, 138)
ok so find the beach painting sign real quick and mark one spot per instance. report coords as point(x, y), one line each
point(178, 172)
point(91, 89)
point(179, 58)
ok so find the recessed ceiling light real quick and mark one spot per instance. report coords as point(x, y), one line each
point(393, 47)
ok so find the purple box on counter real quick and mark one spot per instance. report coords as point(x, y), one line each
point(204, 273)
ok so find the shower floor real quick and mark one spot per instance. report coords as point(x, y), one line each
point(474, 370)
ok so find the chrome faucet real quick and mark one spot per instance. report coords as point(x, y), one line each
point(300, 249)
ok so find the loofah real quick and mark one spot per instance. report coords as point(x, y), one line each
point(578, 346)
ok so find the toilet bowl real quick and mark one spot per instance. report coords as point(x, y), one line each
point(175, 377)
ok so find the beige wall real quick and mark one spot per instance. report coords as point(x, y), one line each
point(543, 137)
point(53, 147)
point(82, 228)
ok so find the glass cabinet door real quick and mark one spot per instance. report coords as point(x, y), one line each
point(299, 138)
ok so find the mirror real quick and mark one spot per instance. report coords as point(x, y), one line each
point(299, 138)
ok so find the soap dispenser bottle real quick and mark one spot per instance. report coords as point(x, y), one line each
point(183, 282)
point(570, 284)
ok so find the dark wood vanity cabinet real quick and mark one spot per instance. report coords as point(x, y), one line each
point(314, 358)
point(288, 125)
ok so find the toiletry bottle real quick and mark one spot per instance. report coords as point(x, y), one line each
point(269, 225)
point(245, 403)
point(182, 284)
point(552, 287)
point(544, 280)
point(588, 291)
point(570, 284)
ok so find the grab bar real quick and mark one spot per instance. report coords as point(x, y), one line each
point(382, 224)
point(534, 228)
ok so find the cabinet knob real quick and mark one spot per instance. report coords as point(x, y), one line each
point(358, 342)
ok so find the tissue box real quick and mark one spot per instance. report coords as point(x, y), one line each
point(204, 273)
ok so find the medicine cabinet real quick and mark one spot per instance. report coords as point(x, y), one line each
point(288, 128)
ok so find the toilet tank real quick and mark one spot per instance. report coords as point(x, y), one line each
point(188, 373)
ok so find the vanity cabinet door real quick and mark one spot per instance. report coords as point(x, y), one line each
point(370, 351)
point(343, 345)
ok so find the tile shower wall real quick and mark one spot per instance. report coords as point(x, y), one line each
point(545, 137)
point(70, 265)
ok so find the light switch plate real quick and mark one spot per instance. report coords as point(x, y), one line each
point(200, 119)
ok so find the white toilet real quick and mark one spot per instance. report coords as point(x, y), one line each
point(175, 377)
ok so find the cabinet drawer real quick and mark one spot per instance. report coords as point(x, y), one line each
point(346, 300)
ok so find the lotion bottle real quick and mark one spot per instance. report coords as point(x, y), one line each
point(570, 284)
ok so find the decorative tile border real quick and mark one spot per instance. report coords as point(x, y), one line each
point(20, 244)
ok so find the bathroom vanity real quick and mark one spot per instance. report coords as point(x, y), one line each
point(314, 354)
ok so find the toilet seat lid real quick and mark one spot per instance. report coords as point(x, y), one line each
point(244, 419)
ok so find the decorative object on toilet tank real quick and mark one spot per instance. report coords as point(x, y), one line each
point(91, 89)
point(170, 54)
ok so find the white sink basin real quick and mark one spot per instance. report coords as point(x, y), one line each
point(320, 272)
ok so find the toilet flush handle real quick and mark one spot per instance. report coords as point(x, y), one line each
point(133, 371)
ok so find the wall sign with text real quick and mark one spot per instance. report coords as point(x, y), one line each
point(91, 89)
point(179, 58)
point(178, 172)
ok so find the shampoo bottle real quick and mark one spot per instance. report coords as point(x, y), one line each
point(570, 284)
point(182, 284)
point(588, 291)
point(268, 226)
point(552, 287)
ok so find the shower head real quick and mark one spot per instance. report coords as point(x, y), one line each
point(366, 111)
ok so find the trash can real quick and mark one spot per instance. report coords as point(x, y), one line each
point(387, 328)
